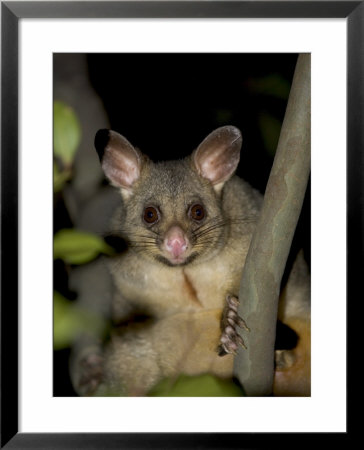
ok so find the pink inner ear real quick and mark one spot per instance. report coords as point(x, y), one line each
point(211, 166)
point(218, 168)
point(218, 155)
point(121, 166)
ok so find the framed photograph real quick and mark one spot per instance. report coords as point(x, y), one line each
point(164, 75)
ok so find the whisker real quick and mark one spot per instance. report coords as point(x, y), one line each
point(209, 229)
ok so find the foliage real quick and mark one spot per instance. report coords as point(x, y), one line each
point(70, 320)
point(273, 85)
point(196, 386)
point(66, 134)
point(78, 247)
point(270, 128)
point(277, 88)
point(72, 246)
point(66, 139)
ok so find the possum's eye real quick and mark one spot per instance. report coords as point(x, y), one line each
point(151, 215)
point(197, 212)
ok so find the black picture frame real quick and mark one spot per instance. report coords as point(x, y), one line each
point(11, 12)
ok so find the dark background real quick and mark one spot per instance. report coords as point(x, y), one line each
point(166, 104)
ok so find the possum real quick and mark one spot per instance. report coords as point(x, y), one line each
point(187, 226)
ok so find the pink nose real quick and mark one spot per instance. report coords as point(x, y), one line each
point(175, 241)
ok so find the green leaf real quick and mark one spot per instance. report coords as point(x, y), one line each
point(65, 323)
point(196, 386)
point(270, 128)
point(78, 247)
point(70, 320)
point(273, 85)
point(59, 178)
point(66, 133)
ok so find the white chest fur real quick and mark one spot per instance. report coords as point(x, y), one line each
point(165, 290)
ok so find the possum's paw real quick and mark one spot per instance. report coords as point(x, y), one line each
point(91, 373)
point(230, 324)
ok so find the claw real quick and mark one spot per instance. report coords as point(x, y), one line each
point(241, 341)
point(230, 350)
point(231, 324)
point(241, 323)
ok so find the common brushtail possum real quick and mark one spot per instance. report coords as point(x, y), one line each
point(187, 225)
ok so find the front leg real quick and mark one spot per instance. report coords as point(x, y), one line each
point(230, 323)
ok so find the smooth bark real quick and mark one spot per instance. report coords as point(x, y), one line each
point(268, 252)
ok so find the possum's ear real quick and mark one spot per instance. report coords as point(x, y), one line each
point(120, 161)
point(217, 157)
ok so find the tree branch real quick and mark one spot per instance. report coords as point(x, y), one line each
point(268, 252)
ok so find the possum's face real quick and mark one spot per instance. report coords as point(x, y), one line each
point(173, 209)
point(174, 215)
